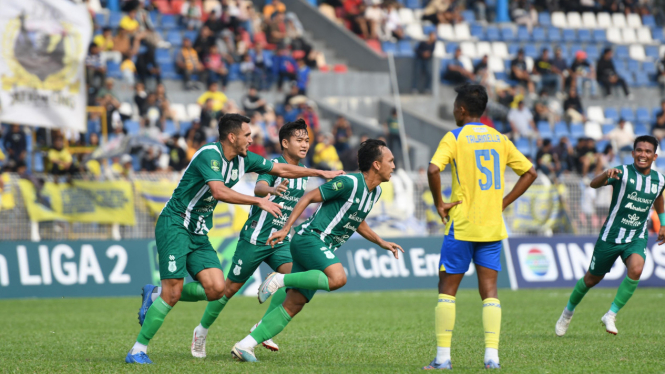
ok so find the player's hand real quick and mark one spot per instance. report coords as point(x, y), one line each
point(276, 237)
point(661, 235)
point(613, 173)
point(392, 247)
point(280, 188)
point(270, 207)
point(330, 174)
point(444, 209)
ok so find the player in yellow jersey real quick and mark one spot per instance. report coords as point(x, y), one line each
point(478, 156)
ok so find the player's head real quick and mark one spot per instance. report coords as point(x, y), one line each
point(375, 155)
point(234, 131)
point(470, 103)
point(644, 151)
point(294, 139)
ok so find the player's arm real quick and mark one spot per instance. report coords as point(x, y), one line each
point(366, 232)
point(313, 196)
point(222, 193)
point(292, 171)
point(443, 156)
point(262, 188)
point(520, 187)
point(659, 206)
point(604, 178)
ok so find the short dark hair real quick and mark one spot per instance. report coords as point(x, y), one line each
point(473, 97)
point(648, 139)
point(546, 142)
point(369, 151)
point(106, 28)
point(230, 123)
point(289, 129)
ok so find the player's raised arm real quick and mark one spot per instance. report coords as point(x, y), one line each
point(313, 196)
point(366, 232)
point(222, 193)
point(605, 177)
point(292, 171)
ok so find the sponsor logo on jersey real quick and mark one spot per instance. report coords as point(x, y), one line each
point(479, 129)
point(214, 165)
point(337, 185)
point(234, 174)
point(631, 206)
point(205, 209)
point(354, 217)
point(633, 196)
point(286, 195)
point(631, 220)
point(349, 226)
point(209, 199)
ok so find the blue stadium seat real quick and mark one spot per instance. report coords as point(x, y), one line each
point(628, 77)
point(642, 115)
point(592, 52)
point(507, 34)
point(506, 65)
point(561, 130)
point(113, 69)
point(163, 56)
point(524, 146)
point(584, 35)
point(499, 126)
point(633, 65)
point(602, 144)
point(641, 129)
point(132, 127)
point(500, 76)
point(114, 19)
point(168, 70)
point(648, 20)
point(451, 47)
point(512, 50)
point(621, 51)
point(184, 127)
point(620, 65)
point(169, 21)
point(545, 130)
point(443, 67)
point(193, 34)
point(627, 114)
point(523, 34)
point(660, 163)
point(538, 34)
point(599, 36)
point(477, 31)
point(100, 19)
point(169, 127)
point(174, 38)
point(574, 48)
point(469, 16)
point(627, 160)
point(554, 34)
point(531, 51)
point(569, 35)
point(492, 34)
point(404, 48)
point(565, 52)
point(38, 166)
point(642, 79)
point(658, 34)
point(651, 51)
point(389, 47)
point(607, 129)
point(136, 163)
point(577, 130)
point(544, 19)
point(428, 29)
point(612, 114)
point(234, 72)
point(153, 17)
point(414, 4)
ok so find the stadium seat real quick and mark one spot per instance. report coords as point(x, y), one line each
point(404, 48)
point(478, 31)
point(648, 20)
point(660, 163)
point(113, 69)
point(628, 36)
point(389, 48)
point(592, 52)
point(592, 130)
point(469, 16)
point(607, 128)
point(649, 67)
point(100, 19)
point(569, 35)
point(406, 16)
point(636, 52)
point(633, 20)
point(495, 64)
point(574, 20)
point(576, 130)
point(544, 130)
point(483, 48)
point(415, 32)
point(619, 20)
point(574, 48)
point(599, 36)
point(531, 51)
point(632, 65)
point(644, 35)
point(428, 29)
point(194, 111)
point(462, 31)
point(132, 127)
point(611, 115)
point(595, 113)
point(554, 34)
point(654, 114)
point(169, 128)
point(114, 19)
point(439, 49)
point(523, 34)
point(500, 49)
point(466, 62)
point(191, 35)
point(512, 49)
point(451, 47)
point(524, 146)
point(621, 52)
point(627, 160)
point(174, 38)
point(559, 19)
point(169, 21)
point(544, 19)
point(589, 20)
point(640, 129)
point(604, 20)
point(445, 32)
point(538, 35)
point(492, 34)
point(179, 112)
point(658, 34)
point(584, 35)
point(602, 144)
point(163, 56)
point(627, 114)
point(561, 130)
point(414, 4)
point(614, 35)
point(507, 33)
point(529, 63)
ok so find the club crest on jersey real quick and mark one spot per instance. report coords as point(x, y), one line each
point(632, 180)
point(357, 200)
point(214, 165)
point(234, 174)
point(338, 186)
point(172, 265)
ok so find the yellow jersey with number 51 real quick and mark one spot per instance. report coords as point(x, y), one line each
point(478, 155)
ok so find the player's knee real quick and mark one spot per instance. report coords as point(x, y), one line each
point(591, 281)
point(171, 296)
point(635, 271)
point(336, 281)
point(215, 292)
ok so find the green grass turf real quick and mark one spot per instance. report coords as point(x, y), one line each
point(380, 332)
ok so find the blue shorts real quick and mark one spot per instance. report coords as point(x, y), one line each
point(456, 254)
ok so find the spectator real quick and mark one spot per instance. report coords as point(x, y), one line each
point(521, 122)
point(203, 42)
point(149, 159)
point(105, 43)
point(519, 73)
point(392, 131)
point(310, 116)
point(262, 65)
point(455, 72)
point(257, 146)
point(214, 22)
point(622, 136)
point(209, 116)
point(277, 30)
point(187, 63)
point(547, 160)
point(541, 108)
point(583, 72)
point(394, 27)
point(564, 152)
point(587, 157)
point(247, 69)
point(60, 158)
point(147, 29)
point(545, 74)
point(287, 68)
point(374, 16)
point(95, 70)
point(195, 137)
point(302, 77)
point(218, 98)
point(107, 98)
point(128, 70)
point(293, 92)
point(560, 67)
point(146, 66)
point(276, 6)
point(216, 70)
point(177, 155)
point(609, 157)
point(480, 71)
point(422, 64)
point(659, 127)
point(660, 75)
point(252, 102)
point(573, 107)
point(342, 134)
point(355, 14)
point(257, 125)
point(325, 155)
point(523, 13)
point(191, 15)
point(129, 23)
point(608, 76)
point(16, 146)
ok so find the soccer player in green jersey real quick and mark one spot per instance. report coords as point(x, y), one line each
point(636, 188)
point(345, 203)
point(181, 231)
point(252, 248)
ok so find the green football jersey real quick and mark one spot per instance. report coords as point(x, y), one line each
point(346, 203)
point(632, 197)
point(261, 224)
point(192, 200)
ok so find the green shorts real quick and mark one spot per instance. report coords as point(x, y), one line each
point(310, 253)
point(248, 257)
point(181, 252)
point(605, 255)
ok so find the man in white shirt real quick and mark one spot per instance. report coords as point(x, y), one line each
point(521, 122)
point(622, 136)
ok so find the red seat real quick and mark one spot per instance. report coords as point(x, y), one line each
point(375, 45)
point(340, 68)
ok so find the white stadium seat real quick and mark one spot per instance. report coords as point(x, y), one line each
point(462, 31)
point(468, 49)
point(596, 114)
point(483, 48)
point(194, 111)
point(592, 130)
point(619, 20)
point(439, 50)
point(500, 49)
point(495, 64)
point(634, 20)
point(445, 31)
point(415, 31)
point(636, 52)
point(559, 19)
point(417, 15)
point(628, 36)
point(406, 16)
point(614, 35)
point(466, 62)
point(179, 112)
point(589, 20)
point(604, 20)
point(644, 35)
point(574, 20)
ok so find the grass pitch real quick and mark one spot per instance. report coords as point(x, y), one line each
point(378, 332)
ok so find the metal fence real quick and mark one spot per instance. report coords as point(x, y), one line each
point(576, 209)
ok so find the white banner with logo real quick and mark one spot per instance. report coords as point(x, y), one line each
point(42, 70)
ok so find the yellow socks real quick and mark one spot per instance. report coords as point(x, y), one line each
point(492, 327)
point(444, 322)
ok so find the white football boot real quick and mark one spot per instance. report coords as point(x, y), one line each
point(199, 344)
point(608, 320)
point(563, 322)
point(271, 345)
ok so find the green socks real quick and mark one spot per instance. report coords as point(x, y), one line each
point(276, 300)
point(625, 291)
point(272, 324)
point(308, 280)
point(212, 311)
point(193, 291)
point(153, 320)
point(578, 293)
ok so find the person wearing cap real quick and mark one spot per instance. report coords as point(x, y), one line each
point(608, 76)
point(519, 73)
point(583, 73)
